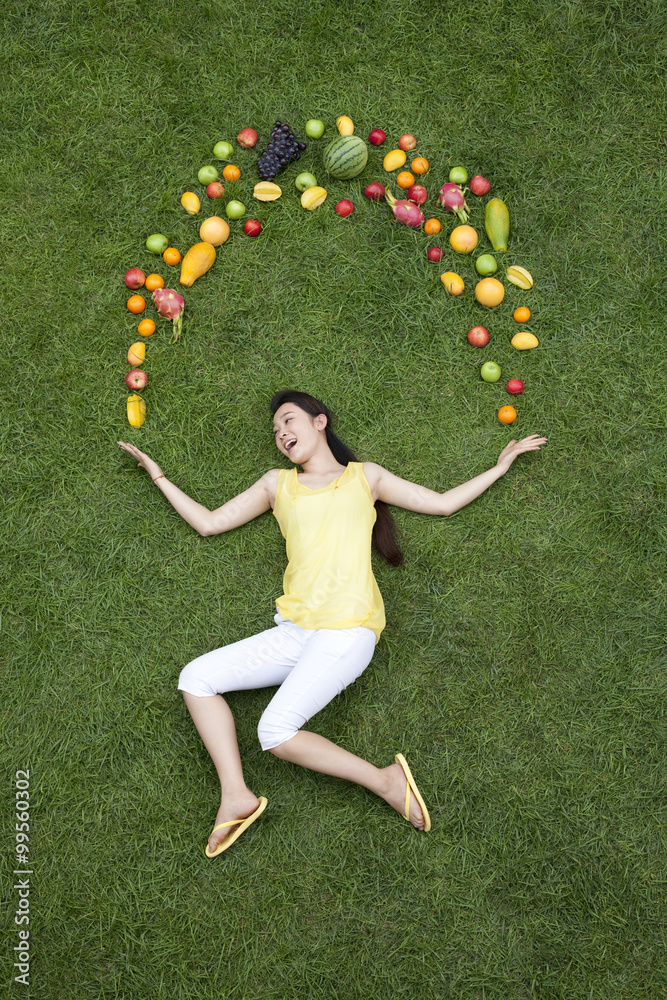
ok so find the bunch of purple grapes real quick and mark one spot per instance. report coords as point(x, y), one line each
point(283, 148)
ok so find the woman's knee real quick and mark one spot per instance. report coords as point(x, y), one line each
point(273, 731)
point(191, 680)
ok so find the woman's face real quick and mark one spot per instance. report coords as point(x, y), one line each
point(297, 433)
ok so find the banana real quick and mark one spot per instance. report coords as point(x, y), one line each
point(519, 276)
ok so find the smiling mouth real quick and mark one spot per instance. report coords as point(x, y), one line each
point(290, 444)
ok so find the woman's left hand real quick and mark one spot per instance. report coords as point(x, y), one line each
point(516, 448)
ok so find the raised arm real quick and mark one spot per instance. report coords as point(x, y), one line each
point(402, 493)
point(239, 510)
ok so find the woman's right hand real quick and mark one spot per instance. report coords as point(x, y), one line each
point(143, 461)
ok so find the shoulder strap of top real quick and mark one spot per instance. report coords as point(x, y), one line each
point(356, 471)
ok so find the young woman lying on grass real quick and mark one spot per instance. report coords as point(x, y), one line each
point(330, 616)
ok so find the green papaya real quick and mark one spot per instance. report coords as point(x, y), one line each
point(497, 223)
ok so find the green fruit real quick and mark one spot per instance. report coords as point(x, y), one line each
point(305, 181)
point(497, 223)
point(345, 157)
point(486, 265)
point(458, 175)
point(314, 128)
point(223, 150)
point(490, 371)
point(235, 209)
point(207, 175)
point(157, 243)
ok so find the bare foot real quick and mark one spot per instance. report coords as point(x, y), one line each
point(232, 807)
point(395, 795)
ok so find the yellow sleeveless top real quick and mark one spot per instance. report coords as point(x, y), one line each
point(329, 580)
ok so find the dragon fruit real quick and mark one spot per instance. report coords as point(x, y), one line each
point(170, 305)
point(405, 212)
point(452, 198)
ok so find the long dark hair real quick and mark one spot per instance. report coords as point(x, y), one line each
point(384, 530)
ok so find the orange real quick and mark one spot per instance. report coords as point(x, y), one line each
point(420, 165)
point(431, 227)
point(146, 328)
point(154, 281)
point(136, 303)
point(231, 173)
point(453, 282)
point(507, 414)
point(521, 315)
point(405, 179)
point(463, 239)
point(489, 291)
point(171, 256)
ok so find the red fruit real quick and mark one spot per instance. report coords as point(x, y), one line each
point(375, 191)
point(344, 208)
point(478, 336)
point(215, 190)
point(515, 386)
point(135, 277)
point(479, 185)
point(434, 254)
point(377, 137)
point(418, 194)
point(407, 141)
point(136, 379)
point(253, 227)
point(247, 138)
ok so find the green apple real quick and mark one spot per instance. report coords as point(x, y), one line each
point(207, 175)
point(486, 265)
point(314, 129)
point(235, 209)
point(458, 175)
point(305, 181)
point(223, 150)
point(157, 243)
point(490, 371)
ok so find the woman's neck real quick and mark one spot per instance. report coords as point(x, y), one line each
point(322, 462)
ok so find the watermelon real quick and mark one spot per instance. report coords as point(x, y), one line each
point(345, 157)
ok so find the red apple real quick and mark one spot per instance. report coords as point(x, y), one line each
point(377, 137)
point(135, 277)
point(479, 185)
point(434, 254)
point(253, 227)
point(515, 386)
point(215, 190)
point(344, 208)
point(247, 138)
point(418, 194)
point(136, 379)
point(375, 191)
point(478, 336)
point(407, 141)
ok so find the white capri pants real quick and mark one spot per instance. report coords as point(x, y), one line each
point(311, 666)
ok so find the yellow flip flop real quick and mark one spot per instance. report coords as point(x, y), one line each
point(412, 787)
point(243, 825)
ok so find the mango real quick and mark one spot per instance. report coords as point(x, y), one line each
point(394, 159)
point(524, 341)
point(136, 354)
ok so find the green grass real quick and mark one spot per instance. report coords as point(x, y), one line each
point(523, 665)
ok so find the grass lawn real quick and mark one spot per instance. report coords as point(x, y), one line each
point(522, 670)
